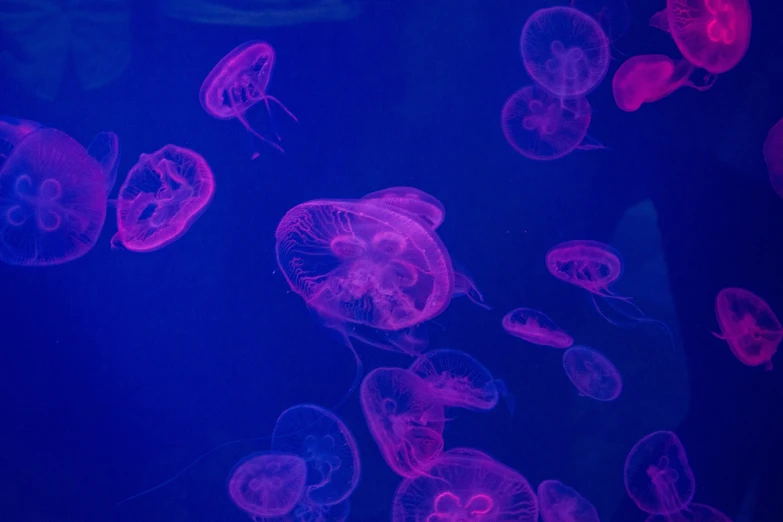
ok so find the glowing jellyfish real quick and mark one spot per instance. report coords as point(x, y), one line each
point(327, 446)
point(163, 195)
point(592, 373)
point(773, 156)
point(105, 148)
point(52, 201)
point(560, 503)
point(465, 485)
point(267, 484)
point(425, 206)
point(651, 77)
point(565, 51)
point(657, 475)
point(404, 418)
point(536, 327)
point(542, 127)
point(239, 81)
point(748, 325)
point(12, 131)
point(692, 513)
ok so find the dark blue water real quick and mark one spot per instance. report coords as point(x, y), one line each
point(118, 369)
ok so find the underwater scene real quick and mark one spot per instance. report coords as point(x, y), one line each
point(391, 260)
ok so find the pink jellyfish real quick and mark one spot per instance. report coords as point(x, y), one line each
point(404, 418)
point(565, 51)
point(651, 77)
point(748, 325)
point(52, 201)
point(592, 373)
point(267, 484)
point(773, 156)
point(657, 475)
point(163, 195)
point(560, 503)
point(467, 485)
point(239, 81)
point(536, 327)
point(542, 127)
point(692, 513)
point(105, 148)
point(422, 205)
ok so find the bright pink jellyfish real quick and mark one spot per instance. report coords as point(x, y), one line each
point(239, 81)
point(267, 484)
point(404, 418)
point(465, 485)
point(326, 444)
point(560, 503)
point(592, 373)
point(773, 156)
point(536, 327)
point(542, 127)
point(748, 325)
point(657, 475)
point(692, 513)
point(52, 201)
point(105, 148)
point(651, 77)
point(163, 195)
point(565, 51)
point(422, 205)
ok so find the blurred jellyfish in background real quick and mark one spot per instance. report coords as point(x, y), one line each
point(259, 13)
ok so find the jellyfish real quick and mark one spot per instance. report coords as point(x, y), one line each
point(162, 196)
point(12, 131)
point(773, 156)
point(267, 484)
point(536, 327)
point(560, 503)
point(239, 81)
point(749, 326)
point(592, 373)
point(692, 513)
point(422, 205)
point(105, 148)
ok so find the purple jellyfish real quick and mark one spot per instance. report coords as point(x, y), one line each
point(565, 51)
point(560, 503)
point(592, 373)
point(536, 327)
point(422, 205)
point(773, 156)
point(239, 81)
point(267, 484)
point(657, 475)
point(692, 513)
point(105, 148)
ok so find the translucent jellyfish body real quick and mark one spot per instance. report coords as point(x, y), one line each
point(425, 206)
point(267, 484)
point(12, 131)
point(749, 326)
point(592, 373)
point(560, 503)
point(536, 327)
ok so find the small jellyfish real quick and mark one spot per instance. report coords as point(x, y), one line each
point(592, 373)
point(267, 484)
point(657, 475)
point(748, 325)
point(541, 126)
point(422, 205)
point(105, 148)
point(773, 156)
point(565, 51)
point(536, 327)
point(560, 503)
point(162, 196)
point(692, 513)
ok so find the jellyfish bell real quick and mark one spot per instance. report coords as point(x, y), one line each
point(536, 327)
point(425, 206)
point(267, 484)
point(592, 373)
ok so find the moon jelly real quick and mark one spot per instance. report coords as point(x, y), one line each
point(465, 485)
point(657, 475)
point(105, 148)
point(536, 327)
point(541, 126)
point(560, 503)
point(163, 195)
point(52, 201)
point(267, 484)
point(565, 51)
point(327, 446)
point(593, 374)
point(692, 513)
point(748, 325)
point(773, 156)
point(422, 205)
point(404, 418)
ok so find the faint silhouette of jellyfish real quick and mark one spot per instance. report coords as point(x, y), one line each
point(259, 13)
point(613, 16)
point(105, 148)
point(267, 484)
point(404, 418)
point(592, 373)
point(52, 201)
point(565, 51)
point(327, 446)
point(239, 81)
point(651, 77)
point(465, 485)
point(560, 503)
point(692, 513)
point(657, 475)
point(162, 196)
point(12, 131)
point(536, 327)
point(422, 205)
point(748, 325)
point(773, 156)
point(542, 127)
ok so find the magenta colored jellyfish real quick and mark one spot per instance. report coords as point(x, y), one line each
point(404, 418)
point(592, 373)
point(560, 503)
point(565, 51)
point(748, 325)
point(239, 81)
point(267, 484)
point(12, 131)
point(657, 475)
point(327, 446)
point(105, 148)
point(52, 201)
point(651, 77)
point(692, 513)
point(163, 195)
point(465, 485)
point(417, 202)
point(536, 327)
point(541, 126)
point(773, 156)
